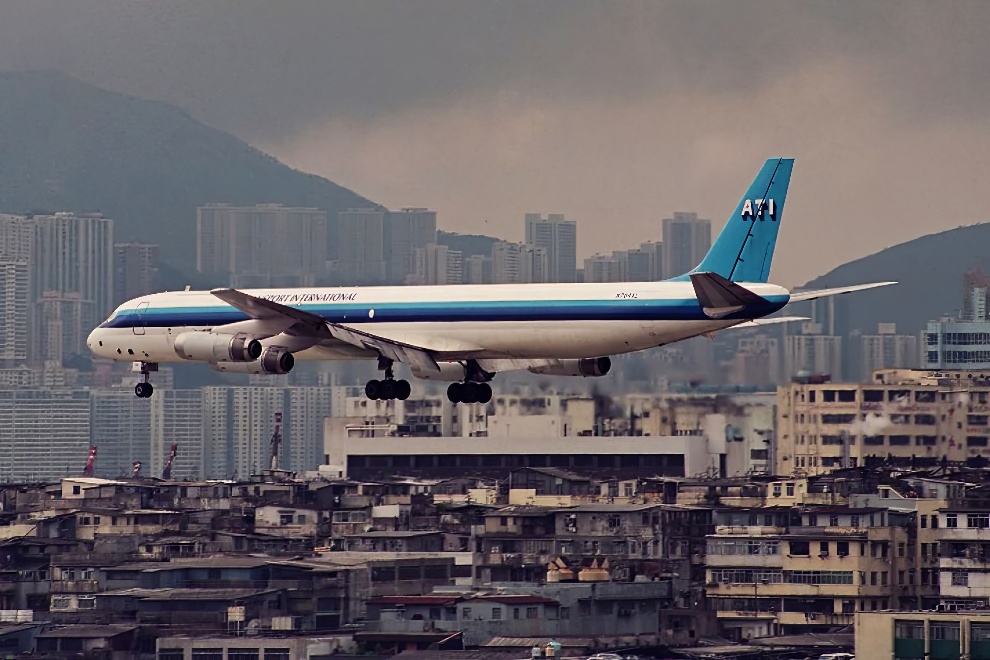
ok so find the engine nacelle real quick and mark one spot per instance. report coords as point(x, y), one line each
point(274, 361)
point(449, 371)
point(216, 347)
point(587, 367)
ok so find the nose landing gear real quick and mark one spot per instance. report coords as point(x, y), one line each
point(145, 389)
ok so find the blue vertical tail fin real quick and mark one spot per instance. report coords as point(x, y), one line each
point(743, 250)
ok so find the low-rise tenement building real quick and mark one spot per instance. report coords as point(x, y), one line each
point(904, 418)
point(783, 570)
point(935, 635)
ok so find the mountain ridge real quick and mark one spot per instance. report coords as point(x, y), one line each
point(144, 163)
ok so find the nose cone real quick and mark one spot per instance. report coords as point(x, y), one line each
point(93, 342)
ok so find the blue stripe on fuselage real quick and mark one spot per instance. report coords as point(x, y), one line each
point(451, 312)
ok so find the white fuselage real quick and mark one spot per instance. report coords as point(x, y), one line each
point(491, 321)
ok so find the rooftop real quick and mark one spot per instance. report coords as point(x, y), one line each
point(90, 632)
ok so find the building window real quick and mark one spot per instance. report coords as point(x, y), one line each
point(799, 548)
point(842, 548)
point(908, 629)
point(978, 520)
point(833, 521)
point(532, 613)
point(76, 490)
point(207, 654)
point(854, 521)
point(812, 520)
point(944, 630)
point(277, 654)
point(171, 654)
point(466, 613)
point(776, 490)
point(790, 490)
point(951, 520)
point(924, 521)
point(934, 521)
point(960, 578)
point(242, 654)
point(496, 613)
point(565, 613)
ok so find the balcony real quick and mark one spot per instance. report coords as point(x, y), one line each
point(814, 619)
point(749, 530)
point(745, 561)
point(74, 586)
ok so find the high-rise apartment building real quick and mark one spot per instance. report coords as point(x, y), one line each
point(177, 418)
point(72, 261)
point(121, 428)
point(240, 422)
point(406, 231)
point(654, 252)
point(135, 271)
point(16, 244)
point(361, 247)
point(478, 269)
point(62, 321)
point(686, 240)
point(602, 268)
point(44, 434)
point(887, 350)
point(813, 352)
point(514, 263)
point(438, 264)
point(268, 245)
point(559, 238)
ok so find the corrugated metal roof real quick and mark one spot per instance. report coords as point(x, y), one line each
point(530, 642)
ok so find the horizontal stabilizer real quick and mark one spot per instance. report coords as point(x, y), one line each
point(719, 297)
point(798, 296)
point(758, 323)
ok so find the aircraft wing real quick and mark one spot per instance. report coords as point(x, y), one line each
point(311, 324)
point(838, 291)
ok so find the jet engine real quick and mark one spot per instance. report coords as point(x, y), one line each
point(449, 371)
point(274, 361)
point(216, 347)
point(587, 367)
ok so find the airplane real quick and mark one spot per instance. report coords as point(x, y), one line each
point(466, 334)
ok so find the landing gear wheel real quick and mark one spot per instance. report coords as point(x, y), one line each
point(373, 390)
point(388, 390)
point(484, 393)
point(402, 390)
point(144, 390)
point(469, 393)
point(454, 392)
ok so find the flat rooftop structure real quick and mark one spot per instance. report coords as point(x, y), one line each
point(627, 457)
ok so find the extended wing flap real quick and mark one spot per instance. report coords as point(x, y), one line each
point(798, 296)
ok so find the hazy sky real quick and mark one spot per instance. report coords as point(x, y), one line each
point(614, 113)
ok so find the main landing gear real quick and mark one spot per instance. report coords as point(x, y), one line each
point(145, 389)
point(469, 392)
point(389, 388)
point(475, 388)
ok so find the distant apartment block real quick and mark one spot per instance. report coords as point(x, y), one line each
point(44, 434)
point(686, 240)
point(813, 352)
point(478, 269)
point(268, 245)
point(361, 247)
point(239, 423)
point(135, 271)
point(654, 252)
point(558, 237)
point(406, 231)
point(757, 361)
point(517, 263)
point(72, 263)
point(888, 350)
point(16, 246)
point(953, 344)
point(62, 323)
point(438, 264)
point(602, 268)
